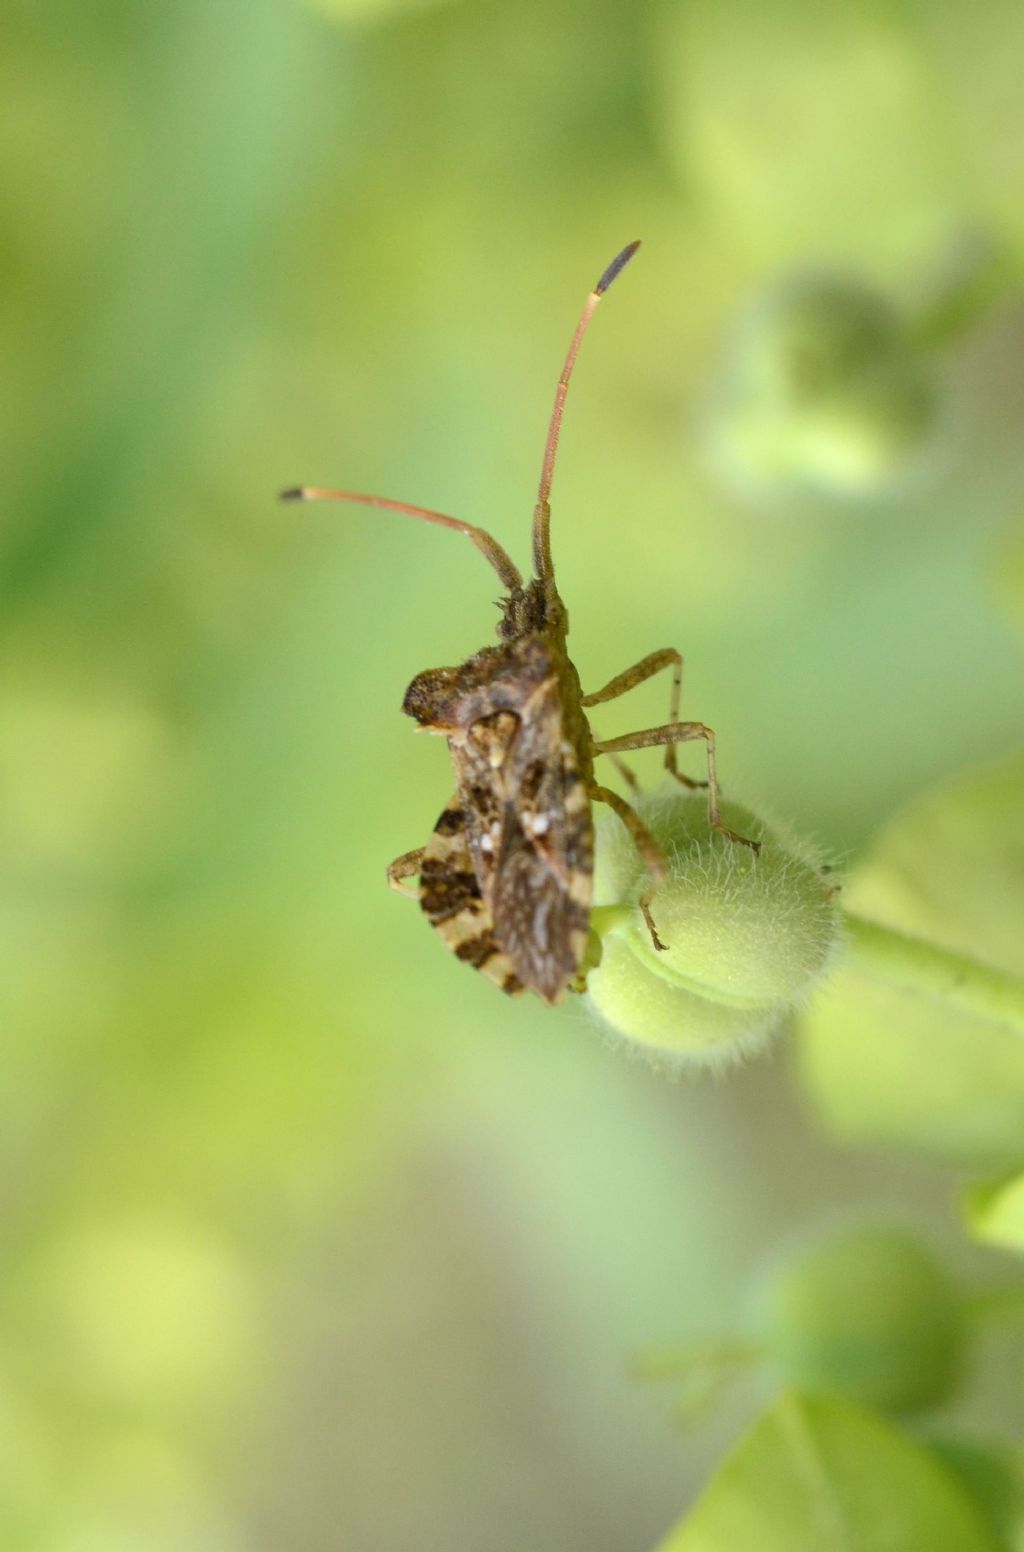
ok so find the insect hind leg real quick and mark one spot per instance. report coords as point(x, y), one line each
point(680, 733)
point(630, 678)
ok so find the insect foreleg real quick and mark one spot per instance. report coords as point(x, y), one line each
point(646, 845)
point(403, 867)
point(628, 680)
point(680, 733)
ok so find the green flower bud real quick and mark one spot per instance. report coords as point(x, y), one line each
point(868, 1312)
point(747, 935)
point(823, 388)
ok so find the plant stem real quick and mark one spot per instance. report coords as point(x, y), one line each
point(917, 966)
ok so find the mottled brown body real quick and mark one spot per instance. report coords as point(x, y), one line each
point(506, 879)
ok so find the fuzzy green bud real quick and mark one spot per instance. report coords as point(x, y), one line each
point(868, 1312)
point(822, 388)
point(748, 934)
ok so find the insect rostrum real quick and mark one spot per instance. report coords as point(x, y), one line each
point(506, 878)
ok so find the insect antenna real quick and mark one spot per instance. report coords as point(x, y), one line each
point(543, 563)
point(488, 547)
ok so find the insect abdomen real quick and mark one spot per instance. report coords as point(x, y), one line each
point(451, 899)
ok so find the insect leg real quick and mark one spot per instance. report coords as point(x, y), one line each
point(628, 680)
point(648, 848)
point(627, 772)
point(680, 733)
point(403, 867)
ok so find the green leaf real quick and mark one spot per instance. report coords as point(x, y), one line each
point(992, 1474)
point(995, 1212)
point(816, 1474)
point(884, 1065)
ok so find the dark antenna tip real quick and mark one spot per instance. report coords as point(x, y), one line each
point(293, 493)
point(615, 267)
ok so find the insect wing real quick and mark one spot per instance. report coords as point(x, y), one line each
point(528, 826)
point(540, 899)
point(549, 795)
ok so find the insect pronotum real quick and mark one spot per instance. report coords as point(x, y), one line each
point(506, 879)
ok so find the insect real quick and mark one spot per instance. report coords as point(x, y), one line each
point(506, 878)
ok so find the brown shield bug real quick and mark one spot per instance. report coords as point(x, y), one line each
point(506, 877)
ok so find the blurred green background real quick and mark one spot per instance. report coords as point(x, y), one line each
point(310, 1239)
